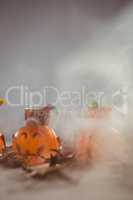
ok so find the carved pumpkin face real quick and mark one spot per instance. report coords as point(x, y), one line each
point(35, 142)
point(2, 143)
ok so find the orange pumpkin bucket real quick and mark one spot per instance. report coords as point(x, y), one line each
point(35, 142)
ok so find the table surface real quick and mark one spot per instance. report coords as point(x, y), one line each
point(101, 182)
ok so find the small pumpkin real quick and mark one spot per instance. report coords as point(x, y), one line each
point(2, 143)
point(35, 143)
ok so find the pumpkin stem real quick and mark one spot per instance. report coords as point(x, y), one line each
point(93, 104)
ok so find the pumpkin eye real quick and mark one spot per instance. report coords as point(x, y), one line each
point(25, 135)
point(35, 134)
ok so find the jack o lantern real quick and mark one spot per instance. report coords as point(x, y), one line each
point(2, 143)
point(35, 143)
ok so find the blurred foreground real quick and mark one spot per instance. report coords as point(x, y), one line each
point(110, 178)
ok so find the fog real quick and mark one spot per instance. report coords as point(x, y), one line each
point(68, 45)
